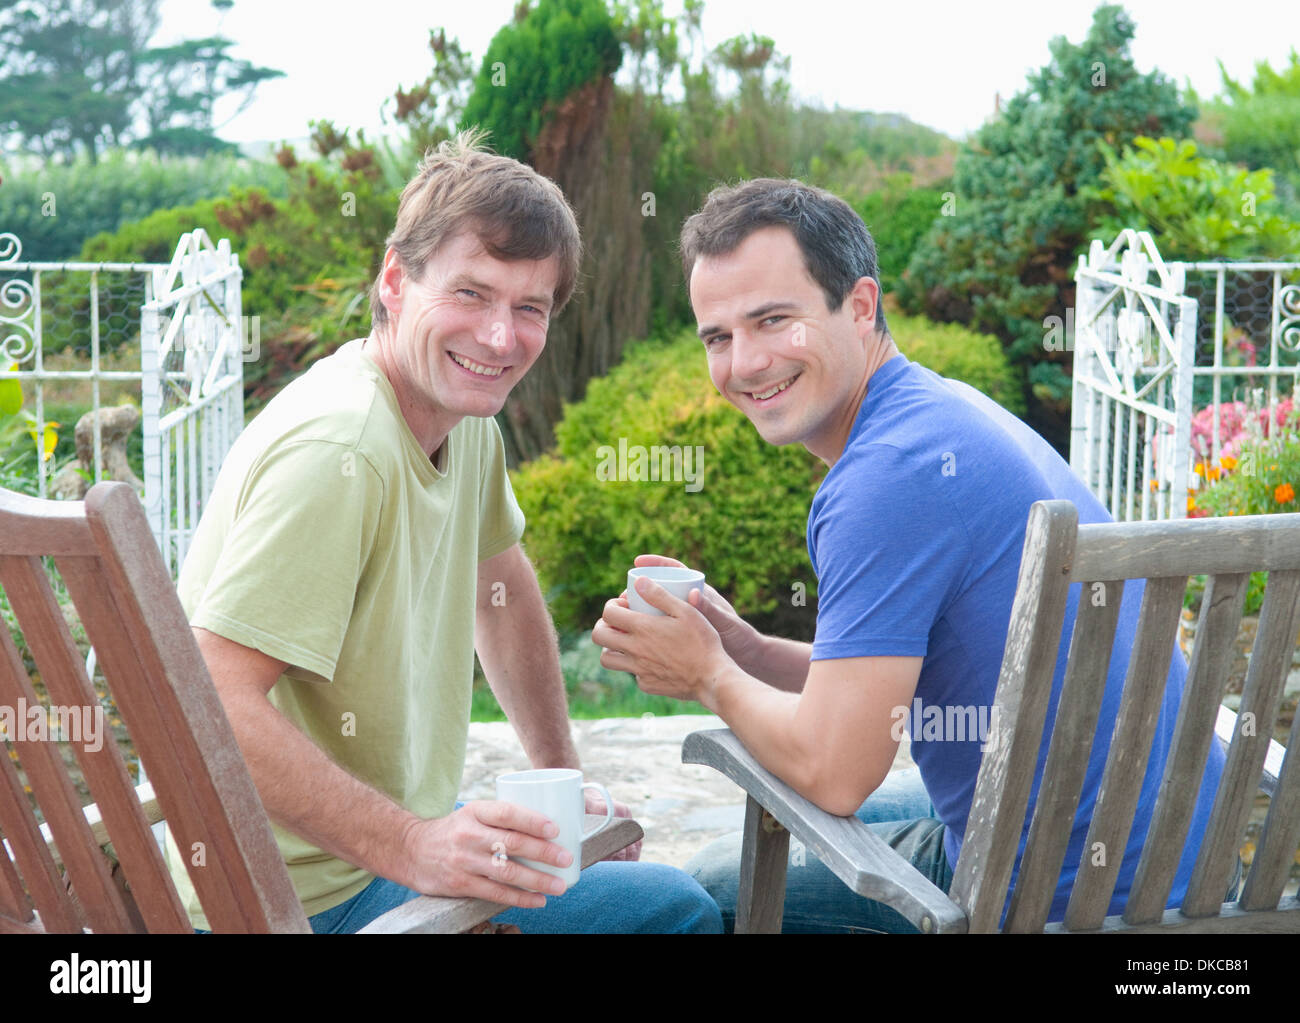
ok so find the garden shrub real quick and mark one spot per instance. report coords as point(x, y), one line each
point(743, 526)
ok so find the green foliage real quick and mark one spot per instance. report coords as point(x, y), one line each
point(55, 208)
point(552, 50)
point(1259, 126)
point(308, 259)
point(1004, 261)
point(954, 351)
point(1264, 481)
point(1195, 208)
point(744, 527)
point(898, 216)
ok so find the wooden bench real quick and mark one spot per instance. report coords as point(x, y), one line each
point(56, 876)
point(1058, 553)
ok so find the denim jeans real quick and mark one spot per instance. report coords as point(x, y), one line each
point(609, 898)
point(818, 902)
point(617, 897)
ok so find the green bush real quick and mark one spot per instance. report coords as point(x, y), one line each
point(898, 216)
point(54, 208)
point(744, 525)
point(960, 353)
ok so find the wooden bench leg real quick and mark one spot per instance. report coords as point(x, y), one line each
point(760, 901)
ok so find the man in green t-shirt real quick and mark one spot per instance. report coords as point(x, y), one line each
point(362, 541)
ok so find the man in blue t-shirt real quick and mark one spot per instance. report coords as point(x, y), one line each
point(915, 535)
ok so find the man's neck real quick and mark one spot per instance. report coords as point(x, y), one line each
point(882, 350)
point(425, 427)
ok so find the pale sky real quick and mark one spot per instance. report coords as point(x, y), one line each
point(940, 62)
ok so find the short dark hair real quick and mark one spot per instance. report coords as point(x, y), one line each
point(837, 247)
point(515, 212)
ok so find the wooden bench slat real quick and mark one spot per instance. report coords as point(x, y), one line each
point(47, 636)
point(1067, 757)
point(1281, 835)
point(997, 814)
point(178, 720)
point(1130, 749)
point(116, 799)
point(1213, 546)
point(1207, 676)
point(1261, 695)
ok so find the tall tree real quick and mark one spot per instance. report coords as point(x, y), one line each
point(77, 76)
point(1001, 258)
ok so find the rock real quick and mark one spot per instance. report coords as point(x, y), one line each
point(116, 424)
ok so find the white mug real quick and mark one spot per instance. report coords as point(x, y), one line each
point(677, 581)
point(556, 793)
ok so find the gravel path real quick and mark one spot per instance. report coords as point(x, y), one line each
point(682, 807)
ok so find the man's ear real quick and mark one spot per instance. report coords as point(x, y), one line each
point(865, 299)
point(391, 280)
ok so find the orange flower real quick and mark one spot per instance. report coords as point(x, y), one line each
point(1200, 469)
point(1228, 462)
point(1155, 484)
point(1191, 504)
point(1284, 493)
point(1214, 472)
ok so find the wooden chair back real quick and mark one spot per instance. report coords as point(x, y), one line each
point(1101, 557)
point(107, 559)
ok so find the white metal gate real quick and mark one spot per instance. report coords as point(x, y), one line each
point(61, 322)
point(1134, 349)
point(193, 342)
point(1154, 342)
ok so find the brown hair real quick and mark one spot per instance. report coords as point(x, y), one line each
point(514, 211)
point(837, 248)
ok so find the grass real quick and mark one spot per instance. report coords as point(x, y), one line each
point(593, 691)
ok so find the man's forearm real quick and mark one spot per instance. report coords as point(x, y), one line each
point(304, 791)
point(781, 663)
point(517, 647)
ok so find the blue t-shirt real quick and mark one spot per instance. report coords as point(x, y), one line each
point(916, 536)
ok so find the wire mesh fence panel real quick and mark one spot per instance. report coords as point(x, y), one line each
point(1170, 361)
point(133, 353)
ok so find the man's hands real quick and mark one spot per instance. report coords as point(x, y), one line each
point(467, 854)
point(678, 655)
point(739, 639)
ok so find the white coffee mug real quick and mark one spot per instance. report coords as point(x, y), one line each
point(677, 581)
point(556, 793)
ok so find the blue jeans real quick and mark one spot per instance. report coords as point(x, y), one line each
point(616, 897)
point(818, 902)
point(610, 898)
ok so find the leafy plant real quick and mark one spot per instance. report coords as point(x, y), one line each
point(1195, 208)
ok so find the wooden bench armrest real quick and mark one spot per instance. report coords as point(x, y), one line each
point(430, 914)
point(1224, 728)
point(851, 850)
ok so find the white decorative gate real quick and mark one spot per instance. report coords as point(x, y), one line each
point(1153, 342)
point(61, 325)
point(1134, 348)
point(193, 343)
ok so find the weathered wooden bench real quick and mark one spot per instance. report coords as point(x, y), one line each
point(56, 876)
point(1058, 553)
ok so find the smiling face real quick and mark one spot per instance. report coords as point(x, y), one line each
point(797, 370)
point(462, 334)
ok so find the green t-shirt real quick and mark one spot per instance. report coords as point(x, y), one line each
point(330, 541)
